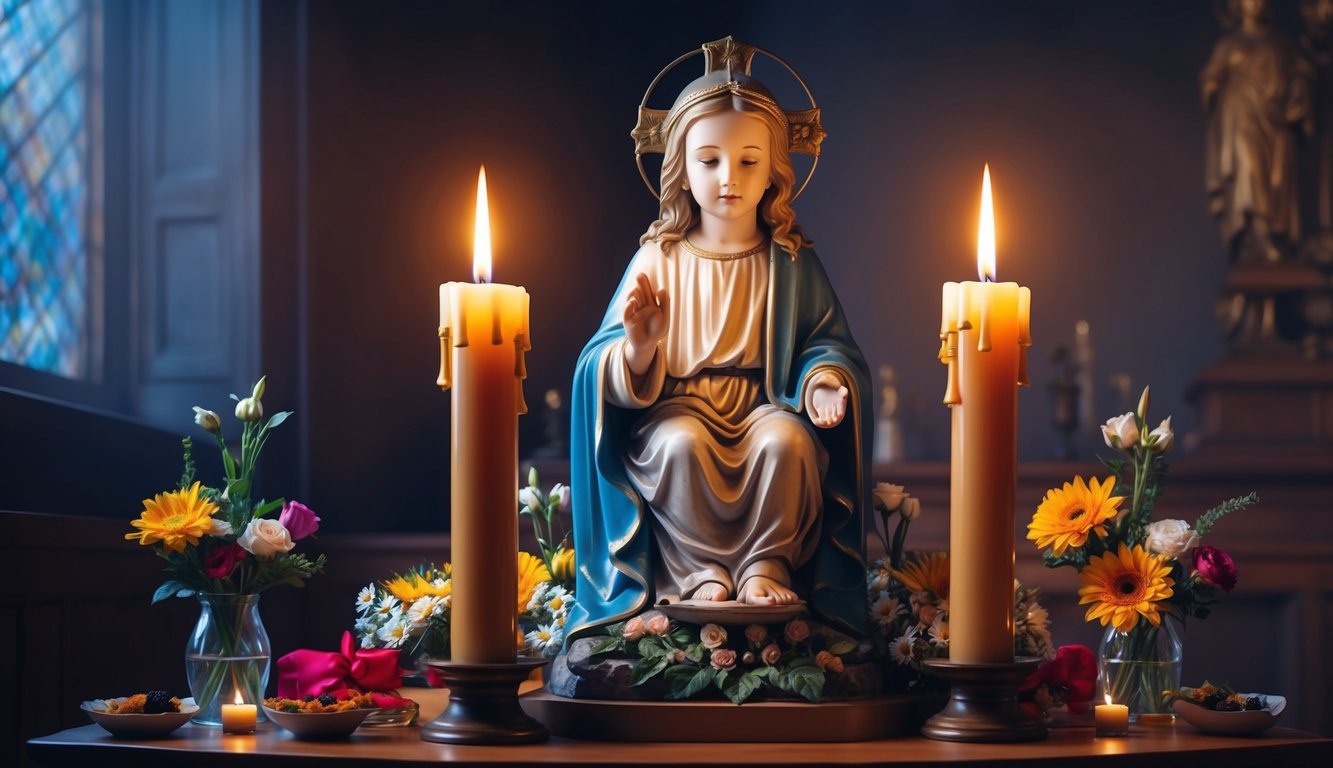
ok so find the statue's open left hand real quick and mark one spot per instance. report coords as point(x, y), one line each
point(828, 405)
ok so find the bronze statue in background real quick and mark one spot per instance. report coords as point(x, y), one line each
point(1256, 89)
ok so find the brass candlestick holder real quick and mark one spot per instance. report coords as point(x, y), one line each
point(483, 704)
point(983, 703)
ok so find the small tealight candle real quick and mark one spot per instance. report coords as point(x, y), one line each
point(1111, 719)
point(240, 717)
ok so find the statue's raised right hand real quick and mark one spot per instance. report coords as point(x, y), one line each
point(645, 318)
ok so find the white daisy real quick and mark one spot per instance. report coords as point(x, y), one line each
point(939, 632)
point(368, 641)
point(558, 600)
point(389, 606)
point(365, 599)
point(545, 639)
point(394, 632)
point(902, 649)
point(425, 609)
point(538, 596)
point(887, 609)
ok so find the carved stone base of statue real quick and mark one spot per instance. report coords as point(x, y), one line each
point(1276, 309)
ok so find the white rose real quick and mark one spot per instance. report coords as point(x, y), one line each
point(1170, 538)
point(1121, 431)
point(890, 495)
point(265, 538)
point(1160, 439)
point(219, 528)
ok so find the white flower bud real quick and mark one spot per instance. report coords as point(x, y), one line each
point(249, 409)
point(207, 419)
point(890, 495)
point(1121, 431)
point(911, 508)
point(258, 392)
point(1162, 438)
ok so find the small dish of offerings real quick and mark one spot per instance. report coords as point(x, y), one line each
point(144, 715)
point(1223, 711)
point(327, 716)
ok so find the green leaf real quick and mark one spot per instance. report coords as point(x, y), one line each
point(695, 652)
point(746, 685)
point(268, 506)
point(808, 682)
point(1208, 519)
point(680, 677)
point(238, 489)
point(702, 678)
point(647, 668)
point(277, 419)
point(682, 637)
point(607, 645)
point(170, 589)
point(841, 647)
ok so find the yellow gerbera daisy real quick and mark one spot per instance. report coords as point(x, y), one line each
point(1067, 515)
point(176, 518)
point(1125, 585)
point(414, 585)
point(531, 572)
point(928, 572)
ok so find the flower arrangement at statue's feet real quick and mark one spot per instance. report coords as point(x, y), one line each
point(225, 547)
point(1133, 570)
point(908, 592)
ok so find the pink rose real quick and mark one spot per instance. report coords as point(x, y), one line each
point(772, 654)
point(656, 623)
point(713, 636)
point(756, 634)
point(634, 629)
point(797, 631)
point(678, 656)
point(298, 519)
point(828, 661)
point(723, 658)
point(1215, 567)
point(219, 563)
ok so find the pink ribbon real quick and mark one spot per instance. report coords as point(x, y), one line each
point(305, 672)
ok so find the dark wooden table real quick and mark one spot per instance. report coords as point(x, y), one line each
point(195, 745)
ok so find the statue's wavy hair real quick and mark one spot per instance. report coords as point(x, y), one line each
point(679, 212)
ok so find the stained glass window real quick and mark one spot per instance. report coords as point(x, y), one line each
point(45, 185)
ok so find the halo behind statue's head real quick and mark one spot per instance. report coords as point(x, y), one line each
point(726, 70)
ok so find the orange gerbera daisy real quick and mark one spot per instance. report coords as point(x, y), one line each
point(1124, 585)
point(1067, 515)
point(176, 518)
point(926, 572)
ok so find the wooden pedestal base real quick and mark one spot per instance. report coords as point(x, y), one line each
point(483, 704)
point(983, 703)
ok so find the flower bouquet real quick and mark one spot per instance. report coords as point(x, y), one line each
point(908, 592)
point(1134, 570)
point(224, 547)
point(410, 611)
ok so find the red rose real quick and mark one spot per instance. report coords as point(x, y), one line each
point(219, 563)
point(1071, 677)
point(1215, 567)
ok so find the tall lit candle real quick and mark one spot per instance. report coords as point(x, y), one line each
point(483, 338)
point(984, 333)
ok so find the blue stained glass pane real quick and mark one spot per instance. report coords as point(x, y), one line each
point(44, 176)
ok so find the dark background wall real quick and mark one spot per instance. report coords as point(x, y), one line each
point(1087, 112)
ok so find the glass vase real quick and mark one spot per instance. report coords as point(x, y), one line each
point(227, 657)
point(1136, 666)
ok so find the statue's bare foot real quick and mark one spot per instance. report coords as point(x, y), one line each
point(710, 590)
point(761, 590)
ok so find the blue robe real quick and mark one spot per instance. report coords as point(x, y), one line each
point(804, 329)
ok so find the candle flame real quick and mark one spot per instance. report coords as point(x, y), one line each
point(481, 238)
point(986, 231)
point(1108, 699)
point(238, 698)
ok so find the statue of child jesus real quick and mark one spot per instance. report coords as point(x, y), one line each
point(719, 415)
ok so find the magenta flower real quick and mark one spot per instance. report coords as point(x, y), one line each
point(1215, 567)
point(299, 520)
